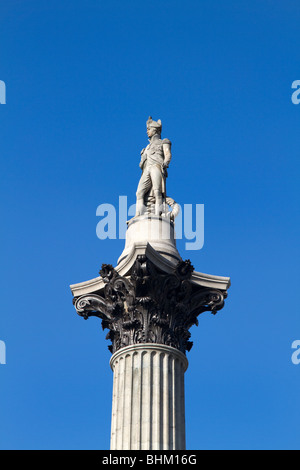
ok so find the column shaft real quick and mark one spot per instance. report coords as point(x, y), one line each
point(148, 411)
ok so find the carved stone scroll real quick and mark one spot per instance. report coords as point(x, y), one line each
point(150, 306)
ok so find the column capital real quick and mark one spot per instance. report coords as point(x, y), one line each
point(149, 305)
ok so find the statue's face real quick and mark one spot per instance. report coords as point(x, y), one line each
point(151, 131)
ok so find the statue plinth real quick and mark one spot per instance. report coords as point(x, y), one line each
point(158, 231)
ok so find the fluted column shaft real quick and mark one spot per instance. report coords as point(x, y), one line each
point(148, 411)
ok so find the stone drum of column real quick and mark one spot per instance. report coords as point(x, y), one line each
point(148, 411)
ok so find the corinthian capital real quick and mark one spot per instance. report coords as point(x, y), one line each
point(149, 305)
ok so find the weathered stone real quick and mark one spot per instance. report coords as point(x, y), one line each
point(148, 410)
point(150, 306)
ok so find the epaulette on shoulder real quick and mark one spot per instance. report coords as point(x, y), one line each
point(167, 141)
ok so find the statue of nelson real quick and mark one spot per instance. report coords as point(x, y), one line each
point(155, 159)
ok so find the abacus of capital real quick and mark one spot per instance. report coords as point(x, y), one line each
point(149, 302)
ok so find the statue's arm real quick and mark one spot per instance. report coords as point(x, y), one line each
point(167, 152)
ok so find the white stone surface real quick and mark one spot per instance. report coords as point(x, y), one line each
point(124, 267)
point(157, 231)
point(148, 411)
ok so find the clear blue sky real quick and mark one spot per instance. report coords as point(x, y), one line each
point(82, 77)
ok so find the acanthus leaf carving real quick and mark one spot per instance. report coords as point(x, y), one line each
point(150, 306)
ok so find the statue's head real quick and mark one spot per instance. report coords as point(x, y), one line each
point(153, 127)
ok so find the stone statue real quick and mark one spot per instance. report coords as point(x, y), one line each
point(155, 159)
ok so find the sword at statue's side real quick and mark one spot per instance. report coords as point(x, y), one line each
point(143, 159)
point(164, 175)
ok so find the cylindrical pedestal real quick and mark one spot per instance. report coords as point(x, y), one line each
point(148, 410)
point(157, 231)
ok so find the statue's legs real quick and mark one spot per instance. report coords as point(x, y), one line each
point(156, 177)
point(151, 178)
point(158, 202)
point(144, 186)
